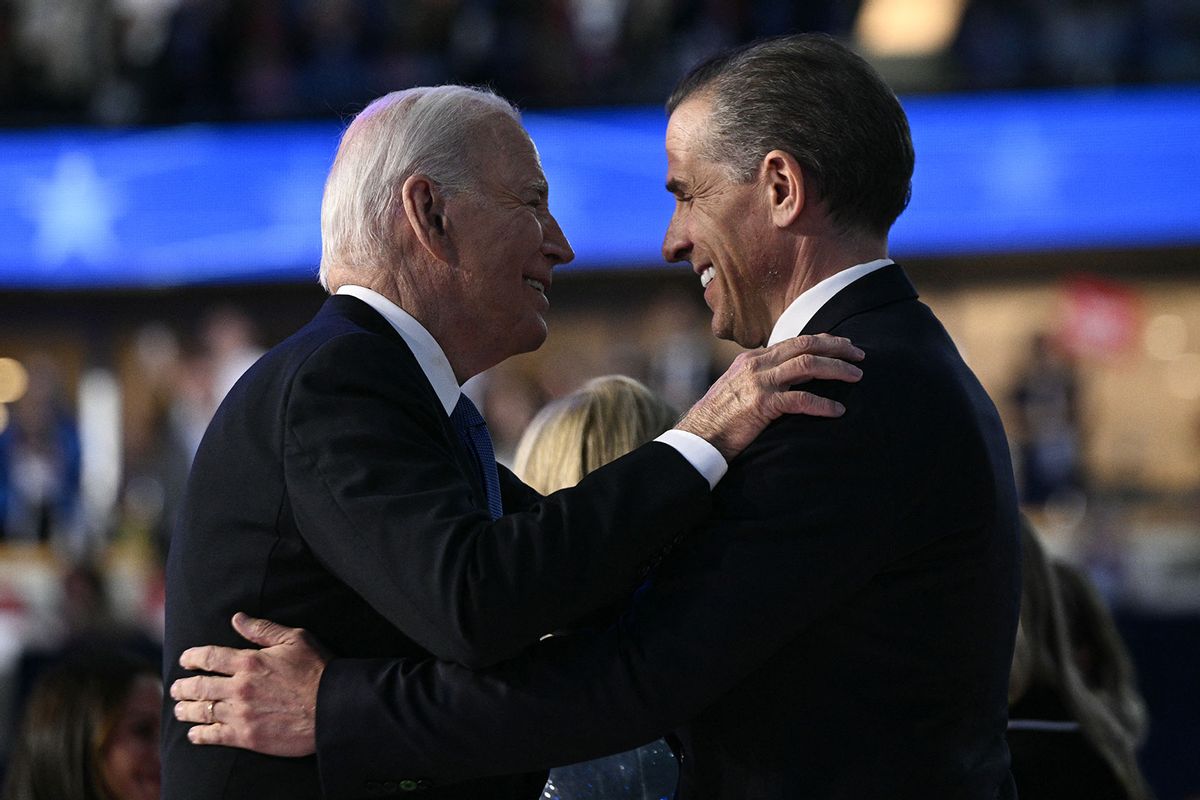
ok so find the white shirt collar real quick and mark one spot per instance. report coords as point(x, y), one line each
point(428, 352)
point(810, 301)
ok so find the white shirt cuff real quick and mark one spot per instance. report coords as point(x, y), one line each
point(707, 460)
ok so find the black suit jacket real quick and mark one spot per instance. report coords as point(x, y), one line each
point(842, 629)
point(331, 493)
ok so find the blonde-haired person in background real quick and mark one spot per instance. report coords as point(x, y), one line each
point(599, 422)
point(1076, 717)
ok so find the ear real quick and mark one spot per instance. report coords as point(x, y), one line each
point(783, 178)
point(425, 211)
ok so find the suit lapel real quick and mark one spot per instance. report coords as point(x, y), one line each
point(367, 318)
point(883, 286)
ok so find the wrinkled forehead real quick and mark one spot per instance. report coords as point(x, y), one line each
point(514, 142)
point(503, 150)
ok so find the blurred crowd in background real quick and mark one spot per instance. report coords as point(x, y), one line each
point(119, 62)
point(97, 433)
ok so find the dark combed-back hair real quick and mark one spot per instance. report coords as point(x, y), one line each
point(810, 96)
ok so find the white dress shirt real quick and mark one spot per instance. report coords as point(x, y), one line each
point(706, 459)
point(804, 308)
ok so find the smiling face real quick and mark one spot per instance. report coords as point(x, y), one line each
point(723, 228)
point(506, 244)
point(129, 760)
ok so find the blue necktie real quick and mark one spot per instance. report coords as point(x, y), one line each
point(473, 431)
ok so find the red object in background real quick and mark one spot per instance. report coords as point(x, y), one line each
point(11, 600)
point(1100, 318)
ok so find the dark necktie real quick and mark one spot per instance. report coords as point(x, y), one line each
point(474, 433)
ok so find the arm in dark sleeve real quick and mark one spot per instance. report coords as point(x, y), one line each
point(379, 495)
point(515, 495)
point(801, 528)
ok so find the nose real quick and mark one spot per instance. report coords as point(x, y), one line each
point(554, 242)
point(676, 245)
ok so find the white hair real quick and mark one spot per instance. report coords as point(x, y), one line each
point(426, 130)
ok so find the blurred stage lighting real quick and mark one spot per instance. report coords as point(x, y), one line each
point(908, 28)
point(1183, 376)
point(1166, 337)
point(14, 380)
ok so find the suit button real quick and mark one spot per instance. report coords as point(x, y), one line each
point(373, 787)
point(409, 786)
point(389, 787)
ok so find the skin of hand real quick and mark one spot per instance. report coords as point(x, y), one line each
point(754, 390)
point(263, 700)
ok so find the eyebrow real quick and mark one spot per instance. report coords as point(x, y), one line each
point(540, 186)
point(676, 186)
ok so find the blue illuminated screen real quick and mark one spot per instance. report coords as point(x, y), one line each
point(205, 203)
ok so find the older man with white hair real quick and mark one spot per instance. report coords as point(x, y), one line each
point(347, 486)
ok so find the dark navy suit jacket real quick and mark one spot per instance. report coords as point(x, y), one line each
point(331, 493)
point(843, 628)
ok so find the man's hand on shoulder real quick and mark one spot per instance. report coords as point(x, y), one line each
point(755, 390)
point(262, 700)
